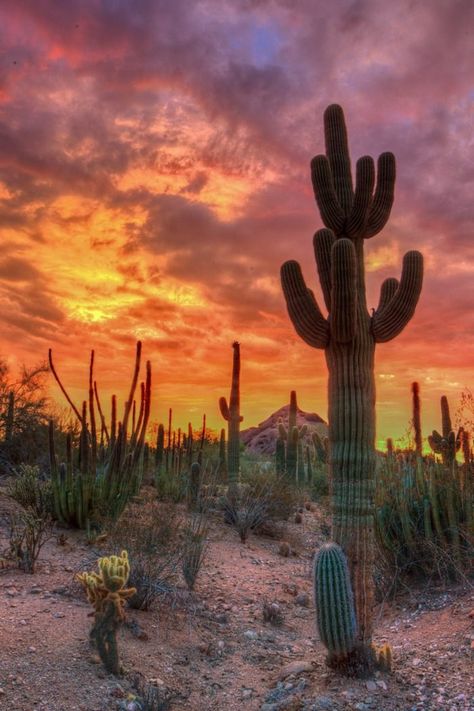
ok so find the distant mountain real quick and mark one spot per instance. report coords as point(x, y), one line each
point(262, 439)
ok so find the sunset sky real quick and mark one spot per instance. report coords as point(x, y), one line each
point(154, 175)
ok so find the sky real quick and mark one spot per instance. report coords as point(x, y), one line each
point(154, 176)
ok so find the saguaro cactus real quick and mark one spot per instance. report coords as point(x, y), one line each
point(348, 337)
point(449, 442)
point(294, 436)
point(231, 413)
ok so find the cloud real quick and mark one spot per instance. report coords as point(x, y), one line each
point(154, 175)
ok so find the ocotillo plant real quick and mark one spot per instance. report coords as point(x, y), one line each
point(231, 412)
point(348, 337)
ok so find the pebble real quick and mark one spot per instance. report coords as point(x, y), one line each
point(298, 667)
point(302, 599)
point(251, 634)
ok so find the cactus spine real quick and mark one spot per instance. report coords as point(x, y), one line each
point(348, 337)
point(335, 614)
point(231, 413)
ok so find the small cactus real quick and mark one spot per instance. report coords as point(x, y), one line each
point(334, 601)
point(106, 591)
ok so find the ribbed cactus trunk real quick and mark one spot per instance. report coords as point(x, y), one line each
point(231, 413)
point(351, 414)
point(348, 336)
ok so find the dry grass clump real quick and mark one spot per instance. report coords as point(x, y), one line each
point(151, 532)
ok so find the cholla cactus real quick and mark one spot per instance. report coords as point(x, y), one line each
point(107, 593)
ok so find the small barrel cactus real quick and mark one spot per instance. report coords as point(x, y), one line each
point(335, 613)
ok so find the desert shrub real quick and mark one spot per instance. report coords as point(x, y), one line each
point(424, 516)
point(151, 534)
point(194, 549)
point(30, 491)
point(319, 482)
point(23, 417)
point(170, 486)
point(280, 495)
point(246, 511)
point(27, 535)
point(271, 612)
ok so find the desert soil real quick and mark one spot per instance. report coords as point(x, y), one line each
point(211, 649)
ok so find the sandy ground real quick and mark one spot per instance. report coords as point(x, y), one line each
point(211, 649)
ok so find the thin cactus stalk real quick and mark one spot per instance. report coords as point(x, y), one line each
point(309, 466)
point(231, 413)
point(189, 445)
point(280, 453)
point(160, 445)
point(389, 445)
point(301, 468)
point(294, 466)
point(168, 449)
point(222, 454)
point(201, 441)
point(101, 486)
point(415, 389)
point(348, 337)
point(194, 485)
point(10, 417)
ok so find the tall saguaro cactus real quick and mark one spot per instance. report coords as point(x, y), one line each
point(348, 336)
point(231, 412)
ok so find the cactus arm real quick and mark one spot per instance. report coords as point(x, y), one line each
point(383, 197)
point(331, 212)
point(387, 291)
point(343, 293)
point(63, 390)
point(397, 313)
point(101, 414)
point(303, 309)
point(224, 408)
point(128, 404)
point(322, 242)
point(337, 151)
point(365, 178)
